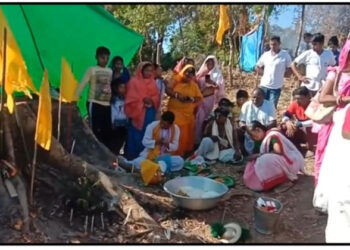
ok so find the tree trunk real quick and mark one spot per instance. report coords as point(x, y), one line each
point(159, 50)
point(300, 29)
point(94, 168)
point(230, 59)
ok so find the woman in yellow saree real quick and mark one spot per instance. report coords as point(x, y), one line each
point(185, 96)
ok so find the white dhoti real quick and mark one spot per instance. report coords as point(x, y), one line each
point(177, 162)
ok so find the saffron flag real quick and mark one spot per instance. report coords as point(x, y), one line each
point(17, 77)
point(68, 83)
point(44, 118)
point(224, 24)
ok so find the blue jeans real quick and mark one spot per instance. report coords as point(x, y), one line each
point(273, 95)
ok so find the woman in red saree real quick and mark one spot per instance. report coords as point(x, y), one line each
point(141, 103)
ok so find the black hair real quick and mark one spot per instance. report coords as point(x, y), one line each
point(116, 83)
point(301, 91)
point(116, 58)
point(225, 102)
point(102, 51)
point(156, 65)
point(187, 60)
point(191, 70)
point(257, 124)
point(242, 94)
point(221, 111)
point(333, 40)
point(317, 38)
point(307, 34)
point(260, 91)
point(145, 66)
point(275, 38)
point(168, 116)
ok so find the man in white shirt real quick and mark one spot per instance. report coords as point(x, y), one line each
point(306, 44)
point(160, 140)
point(316, 60)
point(273, 65)
point(257, 109)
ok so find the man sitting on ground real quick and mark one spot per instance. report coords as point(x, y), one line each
point(220, 139)
point(160, 139)
point(258, 109)
point(296, 126)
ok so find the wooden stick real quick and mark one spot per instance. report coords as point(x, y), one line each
point(86, 223)
point(102, 222)
point(72, 148)
point(2, 142)
point(59, 118)
point(71, 216)
point(4, 69)
point(33, 172)
point(92, 223)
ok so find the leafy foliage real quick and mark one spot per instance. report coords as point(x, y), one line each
point(190, 30)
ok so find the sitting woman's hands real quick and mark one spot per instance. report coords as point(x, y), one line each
point(148, 102)
point(253, 157)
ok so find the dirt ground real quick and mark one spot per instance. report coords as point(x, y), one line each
point(299, 222)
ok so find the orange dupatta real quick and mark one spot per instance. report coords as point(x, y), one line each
point(136, 90)
point(155, 152)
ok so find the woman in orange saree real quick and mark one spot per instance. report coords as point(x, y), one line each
point(185, 96)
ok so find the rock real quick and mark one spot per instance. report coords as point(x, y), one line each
point(18, 225)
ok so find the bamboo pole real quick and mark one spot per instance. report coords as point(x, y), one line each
point(59, 117)
point(2, 143)
point(33, 173)
point(4, 69)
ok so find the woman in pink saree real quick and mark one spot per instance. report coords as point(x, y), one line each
point(212, 85)
point(341, 74)
point(278, 161)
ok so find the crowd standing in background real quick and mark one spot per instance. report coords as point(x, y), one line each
point(200, 121)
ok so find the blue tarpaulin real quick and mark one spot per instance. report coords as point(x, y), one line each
point(252, 46)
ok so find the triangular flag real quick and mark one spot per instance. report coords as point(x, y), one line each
point(17, 77)
point(44, 118)
point(68, 83)
point(224, 23)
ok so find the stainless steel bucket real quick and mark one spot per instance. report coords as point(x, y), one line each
point(266, 222)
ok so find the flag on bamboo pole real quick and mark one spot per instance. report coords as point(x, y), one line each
point(44, 118)
point(17, 77)
point(224, 24)
point(68, 83)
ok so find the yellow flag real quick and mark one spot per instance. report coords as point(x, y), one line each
point(68, 83)
point(224, 23)
point(44, 118)
point(17, 77)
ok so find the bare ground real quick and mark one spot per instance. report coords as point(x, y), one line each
point(299, 222)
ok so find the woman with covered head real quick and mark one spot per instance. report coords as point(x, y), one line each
point(332, 193)
point(141, 104)
point(340, 77)
point(277, 162)
point(184, 98)
point(212, 86)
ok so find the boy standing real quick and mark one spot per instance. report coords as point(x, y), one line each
point(317, 60)
point(99, 78)
point(119, 118)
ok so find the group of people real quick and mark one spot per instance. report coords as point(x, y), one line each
point(200, 121)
